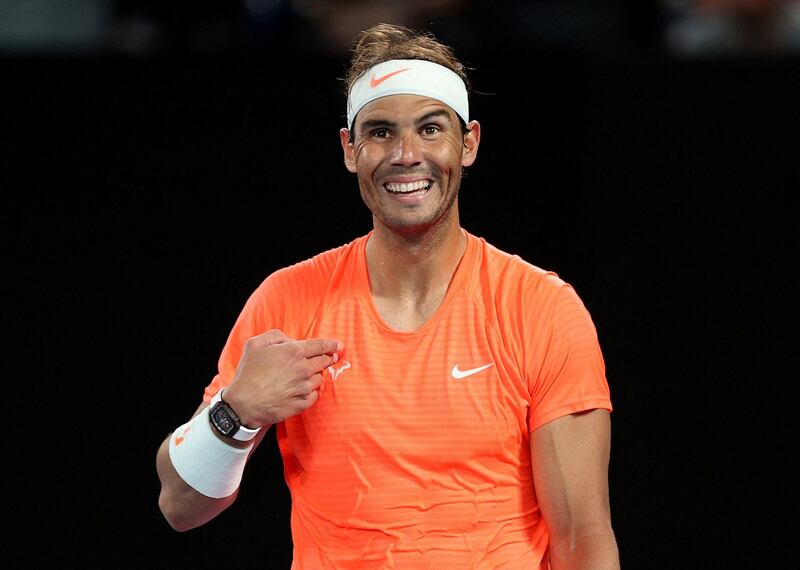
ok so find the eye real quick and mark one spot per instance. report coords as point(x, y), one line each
point(379, 133)
point(430, 130)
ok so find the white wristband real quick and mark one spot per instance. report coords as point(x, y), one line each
point(207, 464)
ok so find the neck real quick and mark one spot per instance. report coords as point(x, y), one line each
point(409, 273)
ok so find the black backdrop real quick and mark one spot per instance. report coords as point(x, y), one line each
point(146, 199)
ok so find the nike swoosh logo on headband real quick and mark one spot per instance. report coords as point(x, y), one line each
point(375, 81)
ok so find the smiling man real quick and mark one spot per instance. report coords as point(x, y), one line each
point(437, 402)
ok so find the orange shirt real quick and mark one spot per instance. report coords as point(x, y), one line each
point(417, 453)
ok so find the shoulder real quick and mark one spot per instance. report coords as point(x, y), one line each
point(312, 273)
point(291, 292)
point(512, 277)
point(517, 295)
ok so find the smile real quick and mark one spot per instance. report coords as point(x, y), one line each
point(408, 187)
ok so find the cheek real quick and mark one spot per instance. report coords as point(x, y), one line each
point(367, 159)
point(448, 158)
point(366, 154)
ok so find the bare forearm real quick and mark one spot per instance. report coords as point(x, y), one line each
point(182, 506)
point(594, 549)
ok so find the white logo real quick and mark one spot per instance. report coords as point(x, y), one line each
point(336, 372)
point(459, 374)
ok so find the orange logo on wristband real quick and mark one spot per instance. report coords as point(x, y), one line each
point(179, 439)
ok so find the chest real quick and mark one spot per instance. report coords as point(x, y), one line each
point(453, 387)
point(411, 314)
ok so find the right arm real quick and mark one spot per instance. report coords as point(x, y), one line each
point(276, 378)
point(182, 506)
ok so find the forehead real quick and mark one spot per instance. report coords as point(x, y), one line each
point(397, 108)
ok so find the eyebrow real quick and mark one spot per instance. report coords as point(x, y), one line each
point(376, 123)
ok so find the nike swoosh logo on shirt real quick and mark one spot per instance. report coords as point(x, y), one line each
point(375, 81)
point(459, 374)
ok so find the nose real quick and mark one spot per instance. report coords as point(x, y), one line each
point(407, 151)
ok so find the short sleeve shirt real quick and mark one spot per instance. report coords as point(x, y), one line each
point(417, 453)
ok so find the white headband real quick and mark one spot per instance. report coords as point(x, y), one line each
point(408, 77)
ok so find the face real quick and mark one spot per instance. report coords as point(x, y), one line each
point(408, 152)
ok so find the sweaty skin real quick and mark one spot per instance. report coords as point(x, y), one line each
point(408, 153)
point(408, 141)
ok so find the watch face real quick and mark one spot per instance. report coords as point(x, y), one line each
point(223, 421)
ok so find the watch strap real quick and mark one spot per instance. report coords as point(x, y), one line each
point(244, 433)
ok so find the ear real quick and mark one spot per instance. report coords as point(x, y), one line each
point(472, 139)
point(348, 150)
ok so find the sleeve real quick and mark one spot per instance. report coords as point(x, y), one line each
point(566, 367)
point(286, 300)
point(262, 311)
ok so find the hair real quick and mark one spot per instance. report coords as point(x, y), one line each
point(383, 42)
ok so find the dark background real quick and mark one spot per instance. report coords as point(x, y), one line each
point(147, 193)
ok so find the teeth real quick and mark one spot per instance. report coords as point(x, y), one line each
point(408, 187)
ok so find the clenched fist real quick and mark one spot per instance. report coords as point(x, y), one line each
point(278, 377)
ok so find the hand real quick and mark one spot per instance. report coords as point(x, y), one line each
point(278, 377)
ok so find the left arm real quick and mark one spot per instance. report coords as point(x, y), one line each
point(569, 457)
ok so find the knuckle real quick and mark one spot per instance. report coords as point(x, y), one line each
point(317, 347)
point(300, 405)
point(314, 366)
point(309, 370)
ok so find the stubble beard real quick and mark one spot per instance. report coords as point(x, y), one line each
point(408, 227)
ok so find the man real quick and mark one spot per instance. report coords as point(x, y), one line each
point(437, 402)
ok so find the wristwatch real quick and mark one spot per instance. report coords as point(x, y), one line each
point(226, 422)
